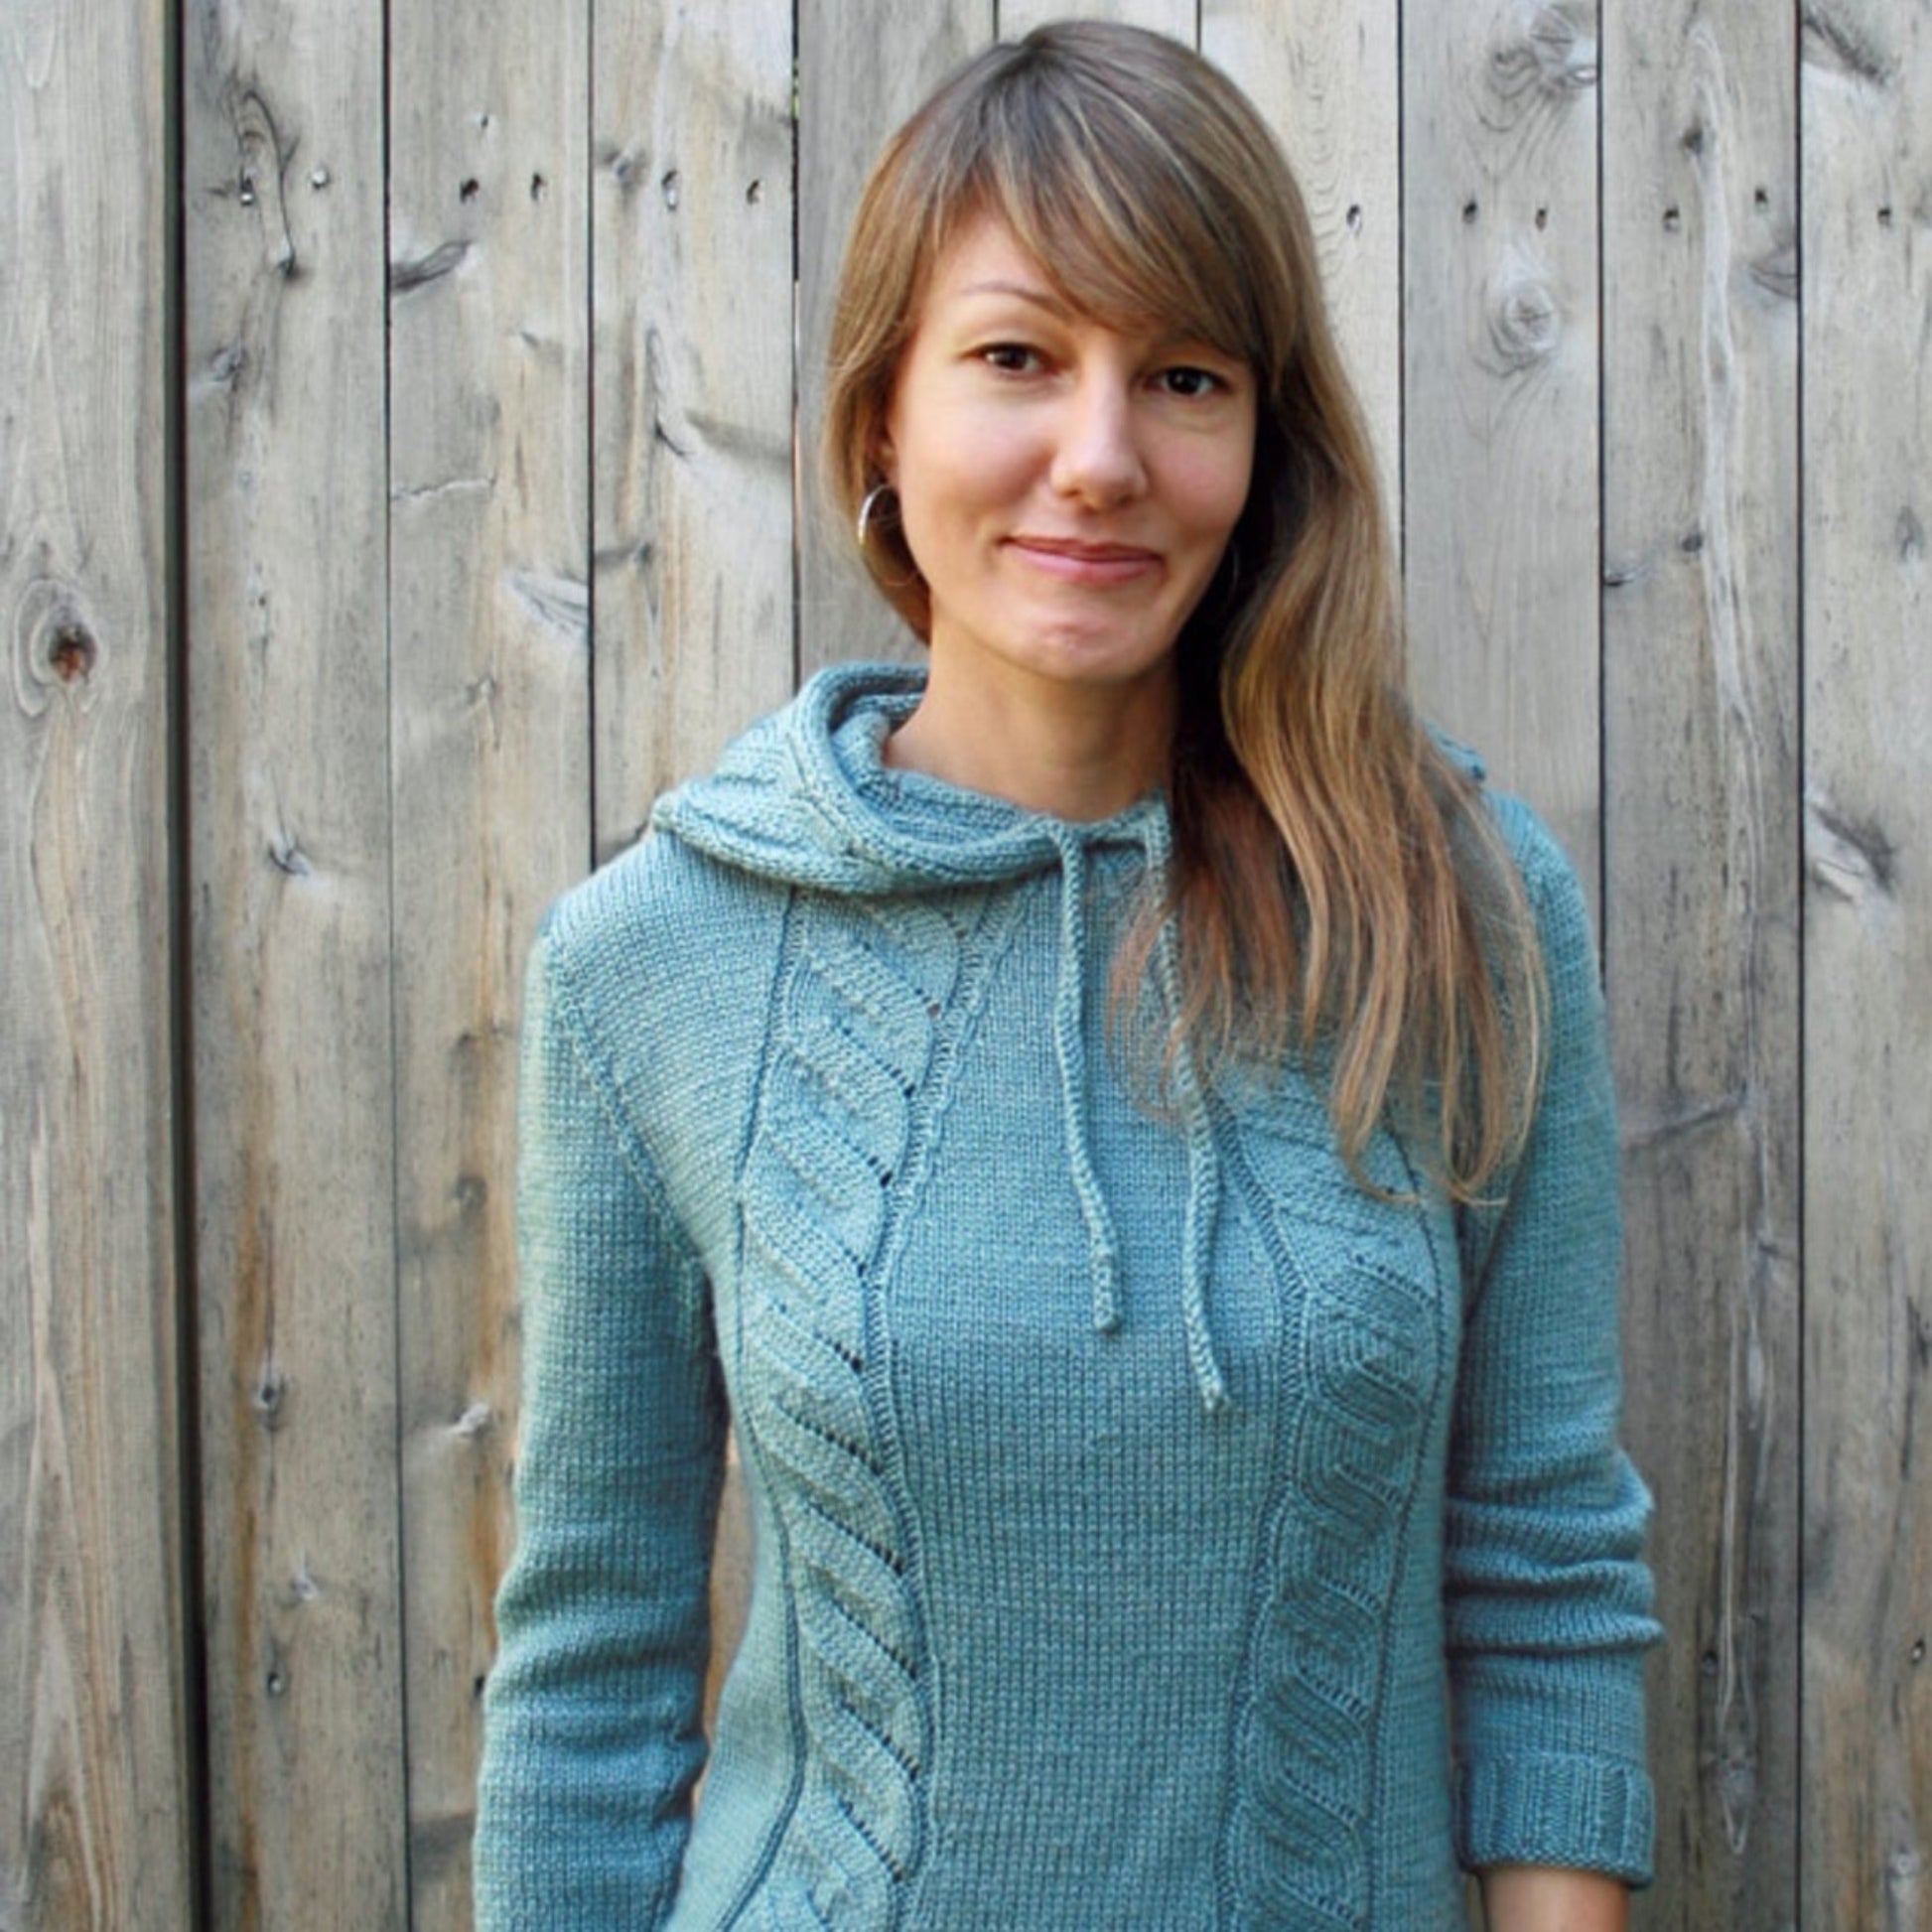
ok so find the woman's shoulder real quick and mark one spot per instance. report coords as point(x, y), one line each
point(661, 943)
point(657, 894)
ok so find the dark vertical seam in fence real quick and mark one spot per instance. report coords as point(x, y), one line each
point(197, 1802)
point(1798, 183)
point(1398, 533)
point(1602, 502)
point(589, 425)
point(800, 453)
point(396, 983)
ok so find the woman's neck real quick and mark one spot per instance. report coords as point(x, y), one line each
point(1077, 751)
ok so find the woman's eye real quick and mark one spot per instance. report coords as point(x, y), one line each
point(1190, 381)
point(1014, 358)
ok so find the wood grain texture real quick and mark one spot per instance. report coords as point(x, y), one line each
point(489, 558)
point(692, 201)
point(96, 1816)
point(1701, 838)
point(1175, 18)
point(1326, 77)
point(1500, 413)
point(292, 945)
point(1867, 1823)
point(864, 66)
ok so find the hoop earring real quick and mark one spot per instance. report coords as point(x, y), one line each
point(869, 511)
point(871, 515)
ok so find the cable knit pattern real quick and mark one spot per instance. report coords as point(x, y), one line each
point(855, 1040)
point(1155, 1531)
point(1366, 1349)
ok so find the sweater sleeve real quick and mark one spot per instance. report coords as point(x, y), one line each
point(1547, 1599)
point(593, 1733)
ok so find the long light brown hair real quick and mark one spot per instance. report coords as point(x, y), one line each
point(1341, 889)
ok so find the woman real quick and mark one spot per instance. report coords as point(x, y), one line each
point(1119, 1121)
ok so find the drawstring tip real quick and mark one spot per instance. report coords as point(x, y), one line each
point(1106, 1309)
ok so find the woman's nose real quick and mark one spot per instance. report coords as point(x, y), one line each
point(1098, 455)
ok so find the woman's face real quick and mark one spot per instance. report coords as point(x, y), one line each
point(1066, 490)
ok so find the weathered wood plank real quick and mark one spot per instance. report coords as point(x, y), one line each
point(1175, 18)
point(292, 940)
point(863, 66)
point(1701, 836)
point(1500, 414)
point(692, 201)
point(97, 1794)
point(489, 558)
point(1327, 78)
point(1867, 103)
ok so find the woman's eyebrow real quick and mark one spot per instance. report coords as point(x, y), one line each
point(1026, 292)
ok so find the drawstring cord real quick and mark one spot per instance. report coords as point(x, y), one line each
point(1069, 1044)
point(1204, 1160)
point(1203, 1196)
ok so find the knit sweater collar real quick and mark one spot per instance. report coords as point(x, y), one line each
point(804, 798)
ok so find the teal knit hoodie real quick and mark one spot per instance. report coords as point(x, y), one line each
point(1153, 1528)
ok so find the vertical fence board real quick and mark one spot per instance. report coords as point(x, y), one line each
point(1327, 78)
point(96, 1804)
point(863, 66)
point(1866, 99)
point(490, 539)
point(289, 859)
point(1700, 681)
point(1175, 18)
point(692, 197)
point(1500, 411)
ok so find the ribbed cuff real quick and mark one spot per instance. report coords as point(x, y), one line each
point(1585, 1814)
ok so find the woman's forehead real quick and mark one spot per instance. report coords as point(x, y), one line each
point(982, 254)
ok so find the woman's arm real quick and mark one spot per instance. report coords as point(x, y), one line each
point(1546, 1596)
point(593, 1735)
point(1539, 1898)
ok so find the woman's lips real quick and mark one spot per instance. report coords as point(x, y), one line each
point(1086, 563)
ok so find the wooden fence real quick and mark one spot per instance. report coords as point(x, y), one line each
point(397, 490)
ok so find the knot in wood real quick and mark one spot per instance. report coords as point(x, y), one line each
point(1525, 322)
point(1553, 57)
point(73, 653)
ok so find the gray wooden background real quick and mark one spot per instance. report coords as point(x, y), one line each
point(397, 488)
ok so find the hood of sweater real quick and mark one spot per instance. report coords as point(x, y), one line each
point(804, 798)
